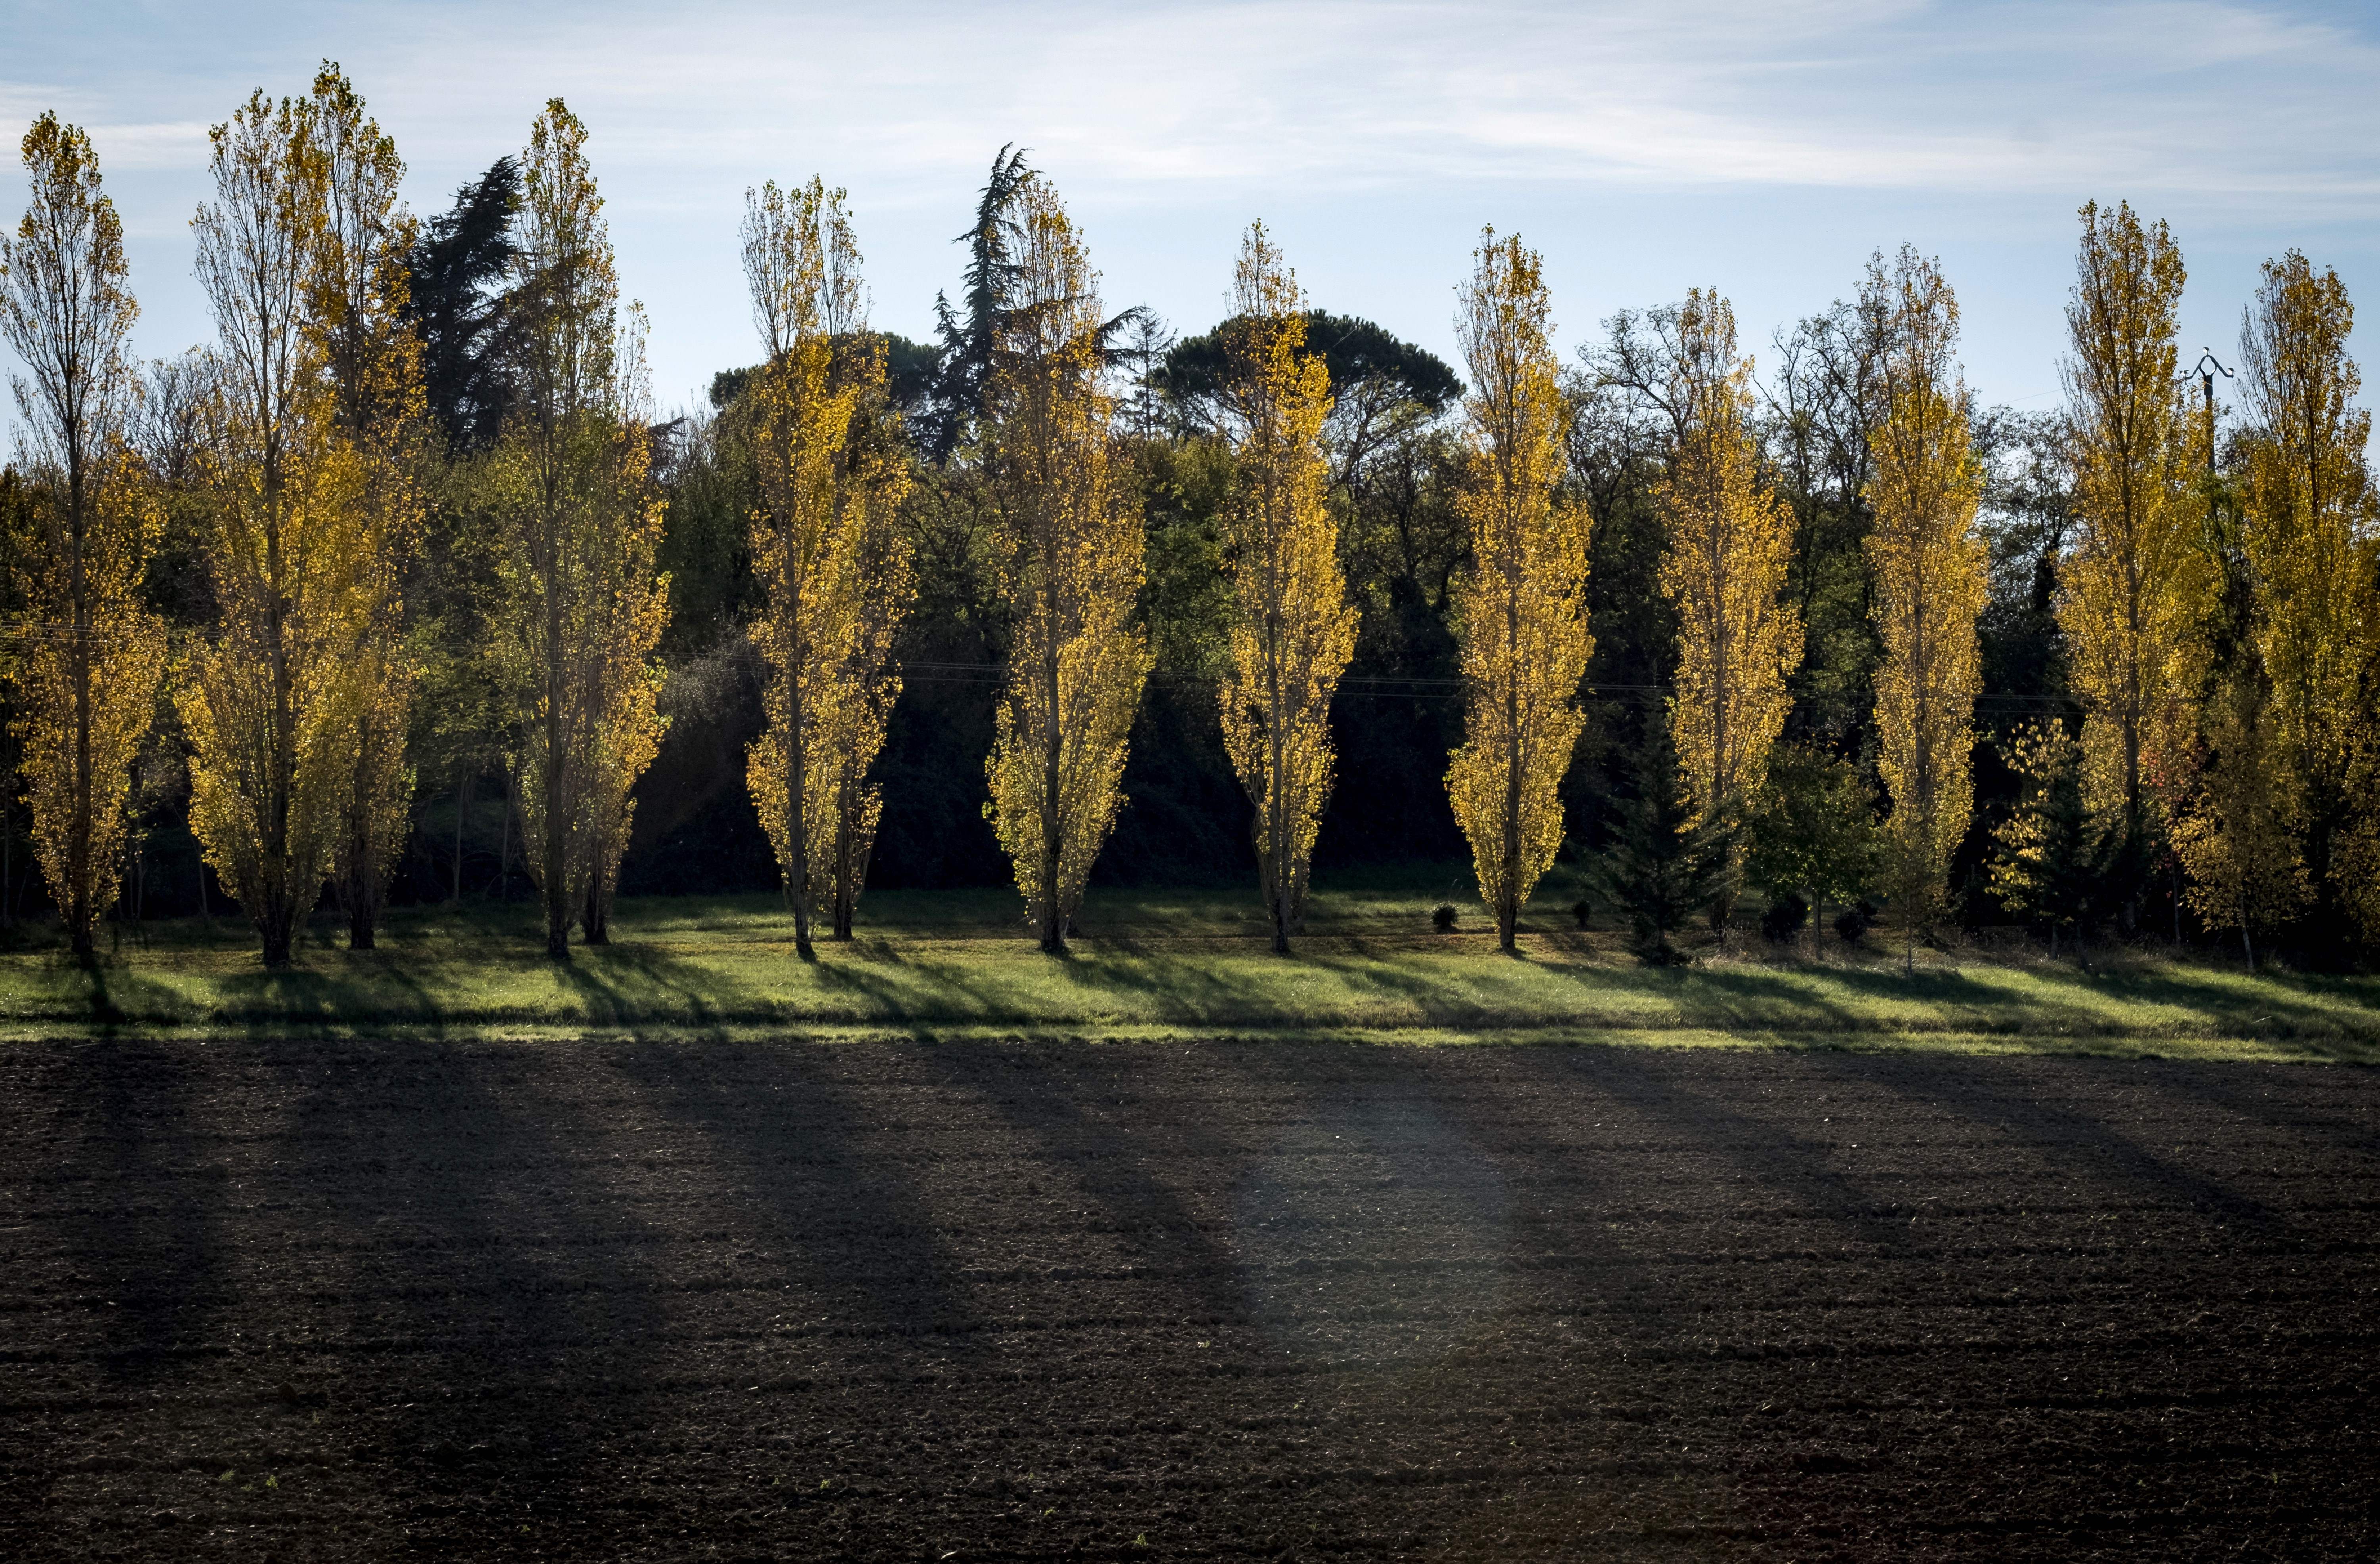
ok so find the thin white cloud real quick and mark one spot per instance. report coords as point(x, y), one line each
point(2255, 121)
point(2199, 95)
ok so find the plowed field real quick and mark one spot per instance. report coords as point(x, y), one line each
point(684, 1301)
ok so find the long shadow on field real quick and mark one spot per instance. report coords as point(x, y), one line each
point(1659, 1089)
point(490, 1321)
point(113, 1289)
point(2340, 1106)
point(136, 1205)
point(1041, 1093)
point(2016, 1104)
point(816, 1203)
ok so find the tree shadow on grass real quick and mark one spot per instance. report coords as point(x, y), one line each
point(908, 992)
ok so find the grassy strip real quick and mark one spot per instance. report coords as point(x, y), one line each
point(1167, 965)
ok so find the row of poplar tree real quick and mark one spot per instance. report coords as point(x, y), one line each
point(2218, 615)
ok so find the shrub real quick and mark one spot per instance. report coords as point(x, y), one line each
point(1786, 917)
point(1852, 925)
point(1442, 919)
point(1582, 910)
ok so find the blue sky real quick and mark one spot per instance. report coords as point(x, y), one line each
point(1761, 147)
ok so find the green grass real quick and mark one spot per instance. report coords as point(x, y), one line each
point(1169, 963)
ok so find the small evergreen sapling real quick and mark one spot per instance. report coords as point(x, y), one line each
point(2051, 859)
point(1662, 871)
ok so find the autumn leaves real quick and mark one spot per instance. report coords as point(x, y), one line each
point(88, 676)
point(2217, 608)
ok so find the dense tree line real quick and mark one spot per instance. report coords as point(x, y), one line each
point(400, 589)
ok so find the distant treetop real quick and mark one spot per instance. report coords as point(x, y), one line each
point(1354, 350)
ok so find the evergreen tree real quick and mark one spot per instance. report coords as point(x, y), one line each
point(457, 301)
point(2053, 854)
point(970, 337)
point(1666, 863)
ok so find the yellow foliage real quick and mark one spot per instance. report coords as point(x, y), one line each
point(584, 604)
point(1729, 545)
point(1072, 542)
point(2235, 840)
point(268, 702)
point(1293, 631)
point(2310, 546)
point(91, 656)
point(2131, 578)
point(294, 541)
point(1520, 612)
point(834, 570)
point(1929, 566)
point(355, 300)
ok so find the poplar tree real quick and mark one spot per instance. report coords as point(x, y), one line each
point(2308, 538)
point(835, 575)
point(881, 592)
point(357, 306)
point(1520, 611)
point(1072, 545)
point(269, 701)
point(1293, 631)
point(572, 478)
point(87, 676)
point(1730, 543)
point(2130, 576)
point(1929, 591)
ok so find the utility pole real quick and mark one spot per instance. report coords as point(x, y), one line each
point(2206, 369)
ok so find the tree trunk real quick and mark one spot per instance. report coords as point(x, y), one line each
point(276, 936)
point(504, 846)
point(462, 810)
point(846, 870)
point(554, 850)
point(363, 857)
point(797, 837)
point(1053, 840)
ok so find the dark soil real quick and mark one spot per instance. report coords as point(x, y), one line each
point(705, 1301)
